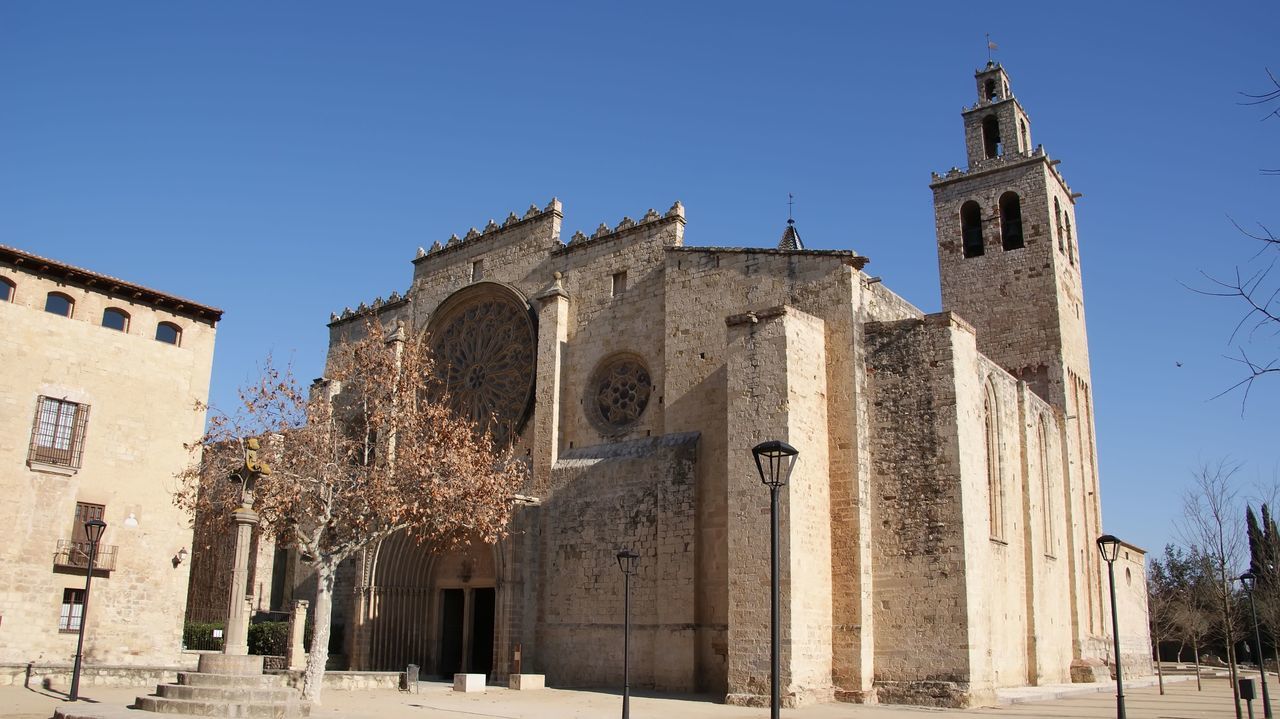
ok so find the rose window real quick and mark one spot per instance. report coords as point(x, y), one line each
point(620, 392)
point(484, 343)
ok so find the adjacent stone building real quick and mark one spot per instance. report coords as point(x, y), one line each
point(938, 530)
point(102, 384)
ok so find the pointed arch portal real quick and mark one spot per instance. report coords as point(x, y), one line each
point(432, 608)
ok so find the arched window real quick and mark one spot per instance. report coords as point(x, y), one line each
point(1022, 125)
point(1071, 250)
point(995, 485)
point(1057, 223)
point(115, 319)
point(169, 332)
point(971, 228)
point(59, 304)
point(991, 136)
point(1046, 490)
point(7, 289)
point(991, 91)
point(1010, 221)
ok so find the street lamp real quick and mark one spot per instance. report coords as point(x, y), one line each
point(1249, 579)
point(93, 530)
point(627, 560)
point(1109, 548)
point(774, 461)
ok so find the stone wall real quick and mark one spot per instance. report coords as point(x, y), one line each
point(922, 654)
point(637, 495)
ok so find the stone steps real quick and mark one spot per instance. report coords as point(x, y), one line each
point(246, 681)
point(221, 708)
point(241, 694)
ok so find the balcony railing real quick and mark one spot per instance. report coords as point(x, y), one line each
point(76, 555)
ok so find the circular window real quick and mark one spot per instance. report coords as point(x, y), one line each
point(620, 392)
point(484, 341)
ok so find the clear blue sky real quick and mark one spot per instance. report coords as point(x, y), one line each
point(281, 160)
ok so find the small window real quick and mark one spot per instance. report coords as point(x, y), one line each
point(169, 333)
point(991, 91)
point(619, 283)
point(477, 270)
point(1022, 125)
point(991, 137)
point(72, 610)
point(115, 319)
point(1010, 221)
point(971, 229)
point(7, 289)
point(59, 304)
point(57, 433)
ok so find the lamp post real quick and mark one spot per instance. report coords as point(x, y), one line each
point(93, 530)
point(627, 560)
point(774, 461)
point(1109, 548)
point(1248, 579)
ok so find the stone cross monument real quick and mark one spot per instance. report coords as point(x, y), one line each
point(238, 606)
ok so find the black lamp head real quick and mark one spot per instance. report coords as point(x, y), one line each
point(779, 457)
point(1109, 547)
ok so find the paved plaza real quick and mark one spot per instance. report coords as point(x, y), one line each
point(435, 699)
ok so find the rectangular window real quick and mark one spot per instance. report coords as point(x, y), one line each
point(57, 434)
point(619, 283)
point(477, 270)
point(72, 610)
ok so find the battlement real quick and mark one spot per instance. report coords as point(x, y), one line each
point(377, 307)
point(492, 230)
point(625, 226)
point(1003, 162)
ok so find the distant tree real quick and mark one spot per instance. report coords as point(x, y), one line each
point(1210, 509)
point(372, 450)
point(1162, 606)
point(1264, 562)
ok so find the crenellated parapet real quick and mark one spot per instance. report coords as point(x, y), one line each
point(492, 230)
point(650, 220)
point(1003, 162)
point(374, 309)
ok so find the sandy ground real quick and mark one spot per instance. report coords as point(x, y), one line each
point(1180, 701)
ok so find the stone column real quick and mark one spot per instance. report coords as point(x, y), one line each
point(238, 610)
point(553, 316)
point(297, 626)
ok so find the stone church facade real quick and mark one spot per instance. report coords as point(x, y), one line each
point(938, 529)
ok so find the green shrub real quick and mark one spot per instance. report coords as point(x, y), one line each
point(199, 635)
point(269, 639)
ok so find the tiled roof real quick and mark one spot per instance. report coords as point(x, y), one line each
point(107, 283)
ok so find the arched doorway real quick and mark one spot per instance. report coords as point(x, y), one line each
point(432, 608)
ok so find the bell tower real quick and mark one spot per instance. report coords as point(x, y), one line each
point(1009, 263)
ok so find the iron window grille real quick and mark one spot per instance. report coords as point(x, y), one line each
point(57, 432)
point(72, 610)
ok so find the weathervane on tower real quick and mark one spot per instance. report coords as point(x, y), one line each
point(990, 46)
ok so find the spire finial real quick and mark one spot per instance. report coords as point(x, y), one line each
point(791, 201)
point(990, 46)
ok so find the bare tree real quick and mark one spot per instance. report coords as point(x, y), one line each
point(1254, 284)
point(372, 450)
point(1211, 509)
